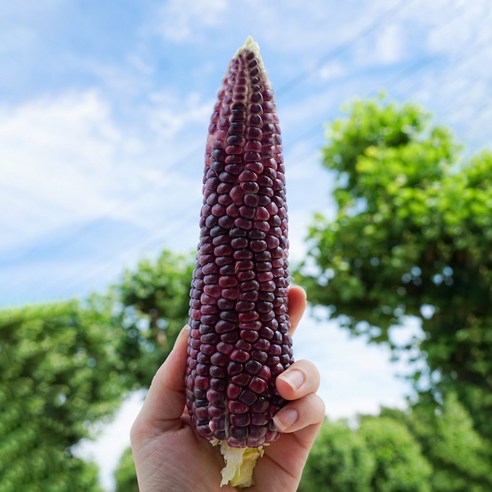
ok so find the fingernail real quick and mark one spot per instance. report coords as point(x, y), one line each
point(295, 379)
point(285, 418)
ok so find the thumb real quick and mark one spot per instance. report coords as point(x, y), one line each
point(165, 401)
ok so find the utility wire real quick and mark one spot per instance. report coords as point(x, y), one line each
point(126, 203)
point(292, 83)
point(177, 223)
point(343, 47)
point(192, 219)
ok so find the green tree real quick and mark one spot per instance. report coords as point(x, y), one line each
point(125, 475)
point(400, 465)
point(68, 365)
point(412, 236)
point(152, 303)
point(457, 452)
point(59, 375)
point(340, 461)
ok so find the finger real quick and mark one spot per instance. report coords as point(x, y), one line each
point(165, 401)
point(300, 379)
point(300, 414)
point(297, 305)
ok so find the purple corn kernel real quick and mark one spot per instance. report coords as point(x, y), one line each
point(238, 302)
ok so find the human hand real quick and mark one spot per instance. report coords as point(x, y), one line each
point(171, 457)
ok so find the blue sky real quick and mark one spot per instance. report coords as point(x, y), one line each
point(104, 108)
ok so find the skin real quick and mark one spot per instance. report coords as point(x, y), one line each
point(169, 456)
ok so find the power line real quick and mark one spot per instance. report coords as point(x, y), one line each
point(463, 58)
point(342, 48)
point(477, 50)
point(173, 228)
point(308, 134)
point(394, 79)
point(125, 204)
point(337, 51)
point(177, 223)
point(191, 219)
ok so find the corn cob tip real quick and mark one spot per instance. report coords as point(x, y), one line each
point(251, 45)
point(240, 464)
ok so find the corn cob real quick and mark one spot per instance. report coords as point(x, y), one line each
point(239, 341)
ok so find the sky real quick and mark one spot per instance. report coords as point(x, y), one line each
point(104, 108)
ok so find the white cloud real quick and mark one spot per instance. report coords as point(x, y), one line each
point(332, 70)
point(69, 159)
point(16, 37)
point(455, 89)
point(309, 29)
point(68, 153)
point(180, 19)
point(457, 25)
point(56, 156)
point(298, 225)
point(66, 162)
point(385, 46)
point(169, 114)
point(389, 44)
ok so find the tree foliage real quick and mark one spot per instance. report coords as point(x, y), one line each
point(59, 375)
point(415, 449)
point(458, 454)
point(400, 465)
point(125, 475)
point(68, 365)
point(152, 302)
point(412, 236)
point(380, 455)
point(340, 460)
